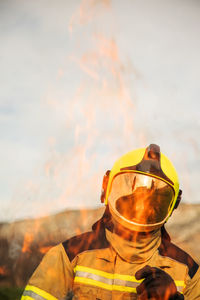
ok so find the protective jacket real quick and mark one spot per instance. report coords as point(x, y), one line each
point(101, 265)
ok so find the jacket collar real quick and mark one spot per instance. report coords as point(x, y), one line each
point(137, 251)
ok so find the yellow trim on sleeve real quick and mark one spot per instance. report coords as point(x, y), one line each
point(26, 298)
point(105, 285)
point(85, 280)
point(179, 283)
point(106, 275)
point(40, 292)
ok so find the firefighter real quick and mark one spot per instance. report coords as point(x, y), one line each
point(128, 254)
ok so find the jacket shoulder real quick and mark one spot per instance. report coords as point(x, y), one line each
point(87, 241)
point(170, 250)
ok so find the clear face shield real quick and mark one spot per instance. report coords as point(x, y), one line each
point(141, 200)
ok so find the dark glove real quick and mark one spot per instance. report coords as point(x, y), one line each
point(157, 284)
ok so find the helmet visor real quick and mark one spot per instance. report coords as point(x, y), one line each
point(140, 199)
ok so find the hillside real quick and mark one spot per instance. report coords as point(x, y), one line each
point(24, 243)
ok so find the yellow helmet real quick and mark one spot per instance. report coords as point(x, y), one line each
point(141, 189)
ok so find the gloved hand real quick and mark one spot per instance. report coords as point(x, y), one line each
point(157, 284)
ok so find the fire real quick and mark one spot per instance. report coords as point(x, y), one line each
point(102, 91)
point(45, 249)
point(28, 239)
point(78, 231)
point(106, 92)
point(2, 270)
point(87, 11)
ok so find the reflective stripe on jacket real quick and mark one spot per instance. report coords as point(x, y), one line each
point(101, 265)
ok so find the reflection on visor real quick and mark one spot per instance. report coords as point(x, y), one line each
point(140, 198)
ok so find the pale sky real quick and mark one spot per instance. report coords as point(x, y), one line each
point(83, 82)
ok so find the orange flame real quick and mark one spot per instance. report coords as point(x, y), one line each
point(87, 12)
point(28, 239)
point(45, 249)
point(2, 270)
